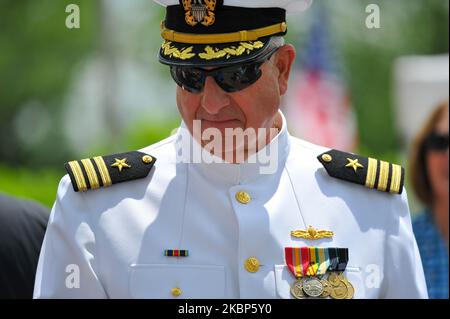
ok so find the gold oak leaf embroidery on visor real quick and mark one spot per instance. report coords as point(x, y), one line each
point(244, 47)
point(172, 52)
point(210, 53)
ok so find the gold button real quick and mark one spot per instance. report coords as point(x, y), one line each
point(147, 159)
point(176, 292)
point(252, 264)
point(243, 197)
point(327, 158)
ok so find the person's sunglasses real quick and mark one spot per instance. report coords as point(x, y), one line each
point(437, 142)
point(231, 79)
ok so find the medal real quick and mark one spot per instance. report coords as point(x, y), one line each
point(310, 265)
point(297, 260)
point(339, 291)
point(350, 289)
point(341, 288)
point(313, 287)
point(297, 289)
point(327, 289)
point(333, 279)
point(305, 263)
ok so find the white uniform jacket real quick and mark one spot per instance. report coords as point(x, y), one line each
point(109, 243)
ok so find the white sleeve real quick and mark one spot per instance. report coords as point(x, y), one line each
point(403, 266)
point(67, 262)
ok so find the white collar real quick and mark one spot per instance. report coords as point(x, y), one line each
point(266, 162)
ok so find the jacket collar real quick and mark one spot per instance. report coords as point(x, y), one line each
point(266, 162)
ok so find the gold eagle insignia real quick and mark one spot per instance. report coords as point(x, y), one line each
point(200, 11)
point(312, 234)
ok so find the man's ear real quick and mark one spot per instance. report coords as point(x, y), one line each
point(284, 59)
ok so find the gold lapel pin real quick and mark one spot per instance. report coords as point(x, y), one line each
point(312, 234)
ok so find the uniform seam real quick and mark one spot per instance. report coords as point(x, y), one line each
point(96, 259)
point(295, 194)
point(184, 206)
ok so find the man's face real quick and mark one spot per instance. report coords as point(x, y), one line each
point(254, 107)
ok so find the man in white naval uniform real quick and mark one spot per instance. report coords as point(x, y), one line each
point(179, 227)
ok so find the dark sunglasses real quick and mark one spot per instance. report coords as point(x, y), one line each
point(437, 142)
point(231, 79)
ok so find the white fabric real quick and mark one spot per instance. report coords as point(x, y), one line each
point(117, 236)
point(291, 6)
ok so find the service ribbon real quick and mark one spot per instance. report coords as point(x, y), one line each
point(324, 261)
point(305, 260)
point(313, 261)
point(342, 259)
point(293, 261)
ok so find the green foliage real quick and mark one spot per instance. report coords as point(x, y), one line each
point(143, 135)
point(415, 27)
point(37, 56)
point(38, 184)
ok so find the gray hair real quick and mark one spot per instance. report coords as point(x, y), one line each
point(277, 41)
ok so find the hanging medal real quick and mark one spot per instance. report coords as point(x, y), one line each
point(294, 261)
point(310, 265)
point(312, 286)
point(341, 288)
point(343, 261)
point(324, 264)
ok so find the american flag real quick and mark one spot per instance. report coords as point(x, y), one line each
point(318, 104)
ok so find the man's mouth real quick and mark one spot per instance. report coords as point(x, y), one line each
point(220, 124)
point(219, 121)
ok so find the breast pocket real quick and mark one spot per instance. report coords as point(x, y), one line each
point(176, 281)
point(284, 280)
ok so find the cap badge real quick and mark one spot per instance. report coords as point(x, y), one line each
point(200, 11)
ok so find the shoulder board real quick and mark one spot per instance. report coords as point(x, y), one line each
point(369, 172)
point(104, 171)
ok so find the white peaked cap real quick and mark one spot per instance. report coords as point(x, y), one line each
point(217, 33)
point(291, 6)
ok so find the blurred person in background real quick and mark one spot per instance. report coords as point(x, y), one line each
point(22, 228)
point(429, 171)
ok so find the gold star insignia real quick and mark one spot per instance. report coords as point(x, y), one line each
point(120, 164)
point(354, 164)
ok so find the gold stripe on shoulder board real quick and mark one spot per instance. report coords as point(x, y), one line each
point(79, 177)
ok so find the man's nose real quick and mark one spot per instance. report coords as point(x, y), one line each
point(214, 98)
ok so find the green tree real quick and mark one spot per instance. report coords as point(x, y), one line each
point(37, 55)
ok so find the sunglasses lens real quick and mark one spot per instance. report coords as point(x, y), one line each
point(230, 79)
point(438, 142)
point(239, 78)
point(190, 79)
